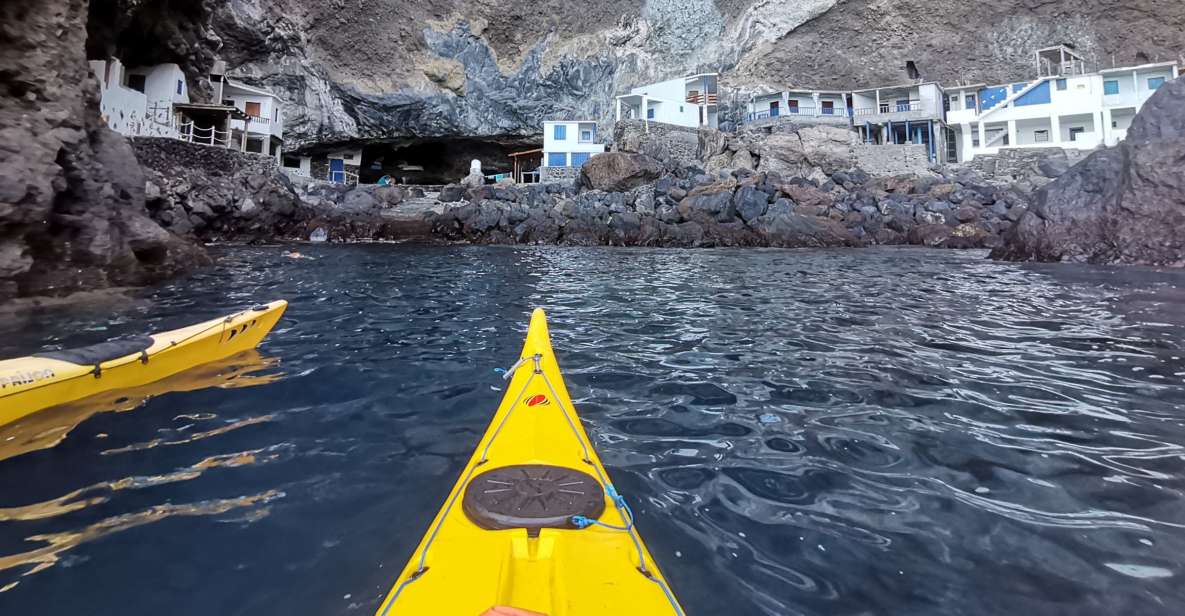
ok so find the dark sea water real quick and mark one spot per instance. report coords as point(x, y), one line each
point(799, 432)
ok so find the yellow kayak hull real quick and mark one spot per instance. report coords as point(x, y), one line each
point(463, 569)
point(31, 384)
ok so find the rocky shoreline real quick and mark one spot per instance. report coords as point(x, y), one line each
point(621, 198)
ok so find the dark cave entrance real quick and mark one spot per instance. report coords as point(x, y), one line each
point(442, 160)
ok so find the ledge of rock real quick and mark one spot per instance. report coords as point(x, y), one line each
point(1123, 205)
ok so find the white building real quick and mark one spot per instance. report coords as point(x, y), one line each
point(801, 105)
point(910, 113)
point(264, 126)
point(153, 101)
point(569, 144)
point(139, 102)
point(1063, 106)
point(686, 101)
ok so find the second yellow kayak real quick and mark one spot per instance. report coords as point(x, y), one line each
point(30, 384)
point(534, 522)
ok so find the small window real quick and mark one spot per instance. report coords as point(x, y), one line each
point(291, 163)
point(276, 114)
point(1061, 84)
point(180, 87)
point(254, 110)
point(975, 140)
point(586, 135)
point(1114, 124)
point(1155, 83)
point(971, 101)
point(650, 113)
point(680, 108)
point(560, 132)
point(579, 158)
point(1111, 86)
point(1074, 132)
point(1041, 136)
point(137, 82)
point(557, 159)
point(347, 157)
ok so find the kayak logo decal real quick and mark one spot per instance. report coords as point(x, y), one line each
point(537, 400)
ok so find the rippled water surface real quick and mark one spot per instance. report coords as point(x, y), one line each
point(800, 432)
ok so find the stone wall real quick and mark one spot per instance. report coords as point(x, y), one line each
point(164, 155)
point(558, 175)
point(665, 142)
point(889, 159)
point(1036, 166)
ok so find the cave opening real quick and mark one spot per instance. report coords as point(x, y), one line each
point(440, 160)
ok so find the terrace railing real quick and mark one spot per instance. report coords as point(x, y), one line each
point(891, 107)
point(797, 112)
point(702, 99)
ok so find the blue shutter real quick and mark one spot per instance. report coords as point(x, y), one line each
point(180, 87)
point(557, 159)
point(1155, 83)
point(561, 133)
point(650, 113)
point(1111, 86)
point(971, 101)
point(1061, 84)
point(579, 158)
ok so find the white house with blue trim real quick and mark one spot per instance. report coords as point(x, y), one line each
point(569, 144)
point(1063, 106)
point(800, 105)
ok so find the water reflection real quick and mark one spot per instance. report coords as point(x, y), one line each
point(799, 432)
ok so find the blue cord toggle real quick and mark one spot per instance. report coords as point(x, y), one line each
point(580, 521)
point(500, 370)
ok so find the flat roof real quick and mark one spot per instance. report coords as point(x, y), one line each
point(1138, 67)
point(235, 112)
point(571, 121)
point(242, 86)
point(900, 86)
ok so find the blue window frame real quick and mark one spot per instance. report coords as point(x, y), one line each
point(181, 86)
point(1155, 82)
point(1111, 86)
point(579, 158)
point(1061, 84)
point(557, 159)
point(970, 101)
point(650, 113)
point(560, 132)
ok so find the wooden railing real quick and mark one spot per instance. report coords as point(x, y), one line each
point(702, 99)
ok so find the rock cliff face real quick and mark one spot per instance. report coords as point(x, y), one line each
point(1125, 204)
point(402, 69)
point(72, 212)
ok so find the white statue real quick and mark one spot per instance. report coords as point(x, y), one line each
point(475, 177)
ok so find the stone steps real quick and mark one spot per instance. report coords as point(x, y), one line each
point(416, 207)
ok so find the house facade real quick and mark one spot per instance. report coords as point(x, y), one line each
point(139, 102)
point(1063, 106)
point(902, 114)
point(566, 146)
point(153, 101)
point(808, 106)
point(690, 101)
point(263, 129)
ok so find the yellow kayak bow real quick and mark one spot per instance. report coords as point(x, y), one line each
point(30, 384)
point(533, 522)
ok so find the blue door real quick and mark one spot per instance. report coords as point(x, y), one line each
point(337, 170)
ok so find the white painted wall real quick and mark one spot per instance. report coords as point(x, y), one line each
point(271, 120)
point(303, 169)
point(572, 141)
point(128, 111)
point(670, 90)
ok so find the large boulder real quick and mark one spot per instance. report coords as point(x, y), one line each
point(619, 171)
point(814, 152)
point(1125, 204)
